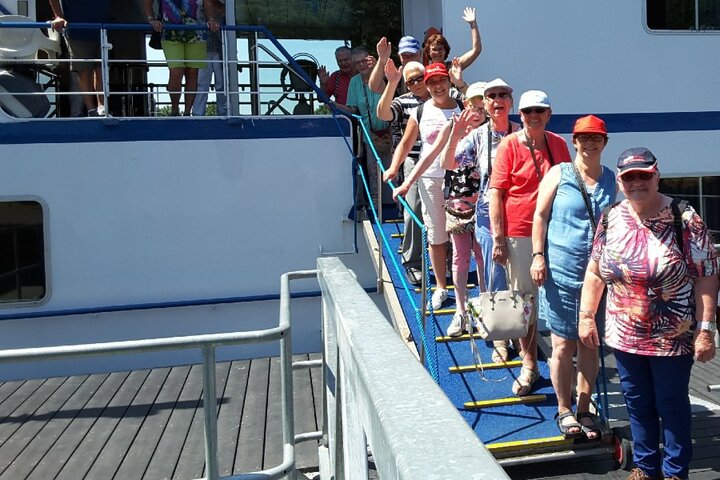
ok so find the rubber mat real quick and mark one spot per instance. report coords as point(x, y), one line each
point(494, 424)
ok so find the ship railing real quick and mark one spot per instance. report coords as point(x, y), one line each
point(251, 95)
point(378, 397)
point(208, 344)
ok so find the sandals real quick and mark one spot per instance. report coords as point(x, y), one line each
point(565, 427)
point(524, 382)
point(500, 353)
point(591, 430)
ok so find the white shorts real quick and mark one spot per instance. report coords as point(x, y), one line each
point(433, 211)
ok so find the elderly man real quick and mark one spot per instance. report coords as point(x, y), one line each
point(337, 84)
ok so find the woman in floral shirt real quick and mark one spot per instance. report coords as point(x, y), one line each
point(660, 312)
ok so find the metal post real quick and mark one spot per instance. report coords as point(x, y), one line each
point(104, 68)
point(230, 69)
point(210, 412)
point(423, 297)
point(254, 75)
point(286, 372)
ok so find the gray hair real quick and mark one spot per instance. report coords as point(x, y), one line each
point(343, 49)
point(413, 66)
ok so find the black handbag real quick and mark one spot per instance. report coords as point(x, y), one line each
point(156, 40)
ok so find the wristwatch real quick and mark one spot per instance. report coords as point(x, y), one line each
point(707, 326)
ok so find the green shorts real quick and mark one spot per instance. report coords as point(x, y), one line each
point(182, 55)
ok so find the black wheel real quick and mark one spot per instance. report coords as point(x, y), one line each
point(622, 451)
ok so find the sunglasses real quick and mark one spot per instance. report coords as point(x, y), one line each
point(493, 96)
point(414, 81)
point(584, 138)
point(642, 176)
point(537, 110)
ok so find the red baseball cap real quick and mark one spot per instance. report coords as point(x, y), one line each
point(589, 124)
point(435, 69)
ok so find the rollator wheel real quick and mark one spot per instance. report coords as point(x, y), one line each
point(622, 451)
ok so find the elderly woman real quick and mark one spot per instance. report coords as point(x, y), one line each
point(478, 150)
point(523, 158)
point(571, 198)
point(658, 262)
point(437, 49)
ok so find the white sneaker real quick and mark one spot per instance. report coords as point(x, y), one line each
point(438, 298)
point(457, 326)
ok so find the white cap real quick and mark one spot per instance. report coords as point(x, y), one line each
point(534, 98)
point(477, 89)
point(498, 83)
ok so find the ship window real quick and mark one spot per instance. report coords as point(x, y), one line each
point(703, 193)
point(683, 14)
point(22, 252)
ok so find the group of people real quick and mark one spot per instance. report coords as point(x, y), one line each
point(192, 55)
point(642, 273)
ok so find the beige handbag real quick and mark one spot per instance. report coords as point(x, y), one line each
point(501, 315)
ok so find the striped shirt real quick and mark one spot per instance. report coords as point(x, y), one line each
point(401, 108)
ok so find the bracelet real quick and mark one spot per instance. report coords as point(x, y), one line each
point(464, 86)
point(587, 312)
point(535, 254)
point(707, 326)
point(150, 19)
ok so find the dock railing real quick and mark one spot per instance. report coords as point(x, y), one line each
point(376, 392)
point(379, 395)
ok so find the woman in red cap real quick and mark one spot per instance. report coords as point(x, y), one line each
point(659, 264)
point(570, 200)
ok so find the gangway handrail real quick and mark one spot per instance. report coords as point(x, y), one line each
point(208, 344)
point(377, 394)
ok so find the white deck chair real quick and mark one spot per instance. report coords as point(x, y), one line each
point(24, 43)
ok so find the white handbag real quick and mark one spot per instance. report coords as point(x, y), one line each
point(501, 315)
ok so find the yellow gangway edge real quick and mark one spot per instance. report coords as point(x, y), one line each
point(485, 366)
point(459, 338)
point(533, 443)
point(499, 402)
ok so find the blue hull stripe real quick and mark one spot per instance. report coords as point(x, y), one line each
point(155, 129)
point(166, 129)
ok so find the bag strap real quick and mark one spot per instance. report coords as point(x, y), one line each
point(677, 207)
point(586, 197)
point(532, 154)
point(507, 279)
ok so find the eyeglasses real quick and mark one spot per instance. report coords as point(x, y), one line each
point(364, 61)
point(537, 110)
point(584, 138)
point(414, 80)
point(476, 109)
point(632, 176)
point(492, 96)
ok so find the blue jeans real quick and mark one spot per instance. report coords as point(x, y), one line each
point(657, 388)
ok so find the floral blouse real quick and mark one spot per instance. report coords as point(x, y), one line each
point(650, 301)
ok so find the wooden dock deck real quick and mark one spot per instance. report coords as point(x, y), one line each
point(147, 424)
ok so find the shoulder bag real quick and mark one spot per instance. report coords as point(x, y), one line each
point(501, 315)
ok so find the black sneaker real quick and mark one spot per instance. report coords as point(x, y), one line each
point(413, 275)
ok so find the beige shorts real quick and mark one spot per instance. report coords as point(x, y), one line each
point(433, 211)
point(519, 260)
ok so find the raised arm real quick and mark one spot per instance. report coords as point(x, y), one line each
point(546, 195)
point(458, 131)
point(377, 79)
point(59, 21)
point(402, 150)
point(425, 163)
point(393, 74)
point(467, 58)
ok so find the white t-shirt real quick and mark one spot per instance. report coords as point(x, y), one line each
point(432, 121)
